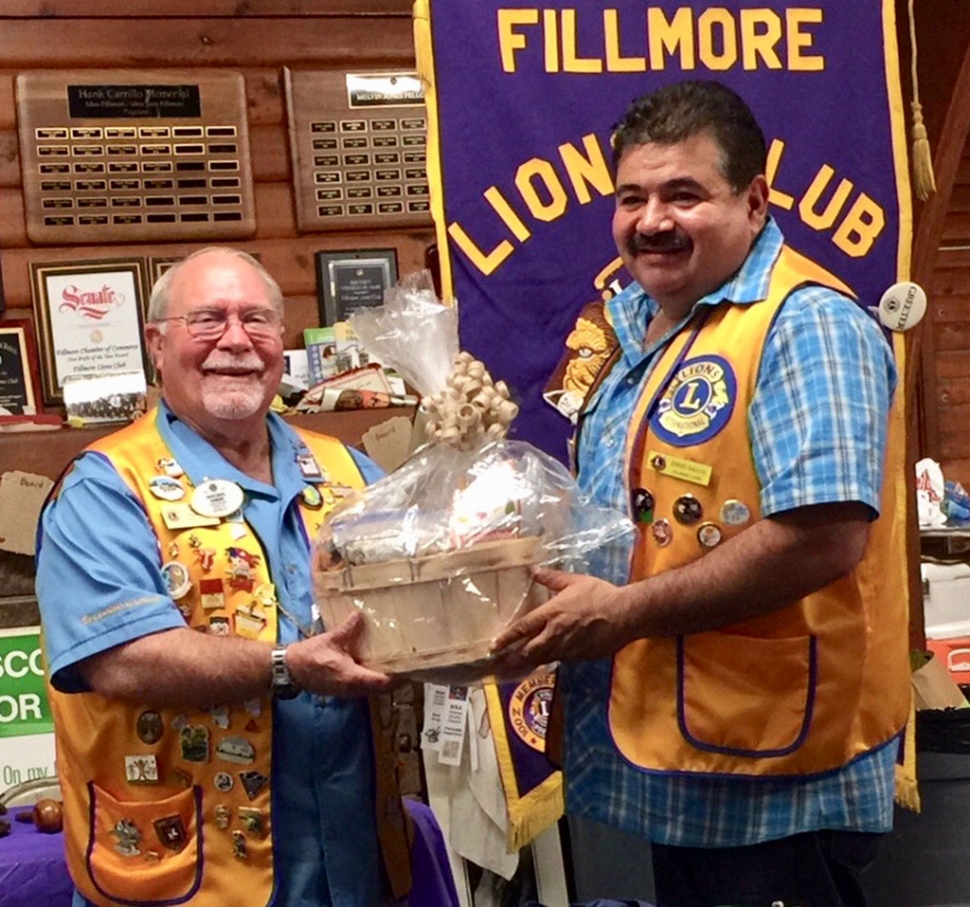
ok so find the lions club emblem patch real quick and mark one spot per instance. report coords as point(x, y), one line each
point(529, 709)
point(696, 403)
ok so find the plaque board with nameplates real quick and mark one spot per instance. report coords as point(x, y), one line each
point(359, 146)
point(131, 155)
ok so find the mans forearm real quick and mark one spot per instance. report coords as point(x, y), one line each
point(185, 667)
point(181, 667)
point(772, 564)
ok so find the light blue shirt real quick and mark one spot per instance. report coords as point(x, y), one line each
point(817, 425)
point(98, 549)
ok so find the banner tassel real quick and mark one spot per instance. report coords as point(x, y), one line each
point(924, 182)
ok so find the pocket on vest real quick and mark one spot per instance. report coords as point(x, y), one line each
point(745, 696)
point(143, 852)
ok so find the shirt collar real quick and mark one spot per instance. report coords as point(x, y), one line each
point(201, 461)
point(632, 309)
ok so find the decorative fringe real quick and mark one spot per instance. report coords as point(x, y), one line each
point(531, 816)
point(529, 813)
point(907, 789)
point(924, 182)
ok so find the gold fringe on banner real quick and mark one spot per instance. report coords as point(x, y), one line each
point(907, 790)
point(532, 812)
point(924, 182)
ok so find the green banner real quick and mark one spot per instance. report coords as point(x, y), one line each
point(24, 708)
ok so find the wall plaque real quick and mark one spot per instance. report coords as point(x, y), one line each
point(90, 318)
point(131, 155)
point(359, 145)
point(19, 374)
point(351, 280)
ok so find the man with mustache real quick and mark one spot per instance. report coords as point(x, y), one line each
point(735, 693)
point(213, 747)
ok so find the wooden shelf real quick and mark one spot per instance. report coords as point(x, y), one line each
point(48, 452)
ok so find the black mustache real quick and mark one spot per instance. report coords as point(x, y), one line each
point(668, 241)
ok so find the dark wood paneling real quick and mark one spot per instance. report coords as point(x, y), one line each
point(181, 9)
point(956, 229)
point(69, 43)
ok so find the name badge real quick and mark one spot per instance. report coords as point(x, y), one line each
point(217, 498)
point(680, 468)
point(181, 516)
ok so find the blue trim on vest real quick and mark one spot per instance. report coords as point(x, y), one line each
point(197, 795)
point(746, 753)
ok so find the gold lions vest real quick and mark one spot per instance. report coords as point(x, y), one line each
point(802, 690)
point(166, 805)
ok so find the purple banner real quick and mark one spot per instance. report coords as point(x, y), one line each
point(522, 103)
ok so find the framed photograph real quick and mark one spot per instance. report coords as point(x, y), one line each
point(115, 397)
point(89, 316)
point(19, 371)
point(353, 279)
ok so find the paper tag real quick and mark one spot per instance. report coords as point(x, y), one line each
point(387, 444)
point(435, 696)
point(680, 468)
point(22, 496)
point(454, 725)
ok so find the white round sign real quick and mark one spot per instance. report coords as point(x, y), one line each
point(902, 306)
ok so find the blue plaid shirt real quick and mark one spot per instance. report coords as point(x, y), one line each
point(817, 426)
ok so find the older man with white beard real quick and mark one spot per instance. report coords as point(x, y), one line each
point(214, 745)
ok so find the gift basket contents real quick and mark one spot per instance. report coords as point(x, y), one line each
point(439, 554)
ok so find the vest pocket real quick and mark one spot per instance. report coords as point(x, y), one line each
point(745, 696)
point(145, 852)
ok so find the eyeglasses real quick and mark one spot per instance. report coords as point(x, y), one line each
point(211, 324)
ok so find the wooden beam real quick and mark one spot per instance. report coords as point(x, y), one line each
point(146, 43)
point(180, 9)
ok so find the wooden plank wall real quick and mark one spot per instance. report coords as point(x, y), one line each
point(255, 37)
point(949, 310)
point(941, 253)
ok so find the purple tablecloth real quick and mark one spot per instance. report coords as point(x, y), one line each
point(32, 867)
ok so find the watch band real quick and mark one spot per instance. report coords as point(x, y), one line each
point(281, 683)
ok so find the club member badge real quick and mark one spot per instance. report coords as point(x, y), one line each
point(217, 498)
point(697, 402)
point(176, 577)
point(170, 467)
point(312, 497)
point(165, 488)
point(529, 709)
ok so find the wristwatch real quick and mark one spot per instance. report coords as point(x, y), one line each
point(281, 684)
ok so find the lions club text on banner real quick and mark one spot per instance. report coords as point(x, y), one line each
point(522, 99)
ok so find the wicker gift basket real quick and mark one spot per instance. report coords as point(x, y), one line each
point(439, 610)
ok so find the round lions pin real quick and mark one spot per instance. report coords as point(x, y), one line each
point(902, 306)
point(177, 580)
point(216, 498)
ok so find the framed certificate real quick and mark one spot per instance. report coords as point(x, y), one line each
point(90, 316)
point(19, 373)
point(353, 279)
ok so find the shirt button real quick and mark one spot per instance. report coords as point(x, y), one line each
point(608, 440)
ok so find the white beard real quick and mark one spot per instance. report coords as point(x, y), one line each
point(228, 396)
point(235, 400)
